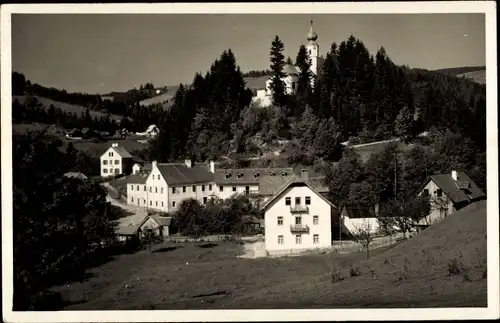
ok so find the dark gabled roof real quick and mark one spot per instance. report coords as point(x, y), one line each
point(137, 179)
point(359, 211)
point(295, 181)
point(250, 219)
point(122, 152)
point(464, 189)
point(249, 175)
point(161, 220)
point(178, 174)
point(290, 70)
point(128, 230)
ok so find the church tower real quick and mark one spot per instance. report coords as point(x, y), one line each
point(312, 48)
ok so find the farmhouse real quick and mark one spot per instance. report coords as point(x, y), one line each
point(115, 161)
point(76, 175)
point(448, 193)
point(167, 185)
point(158, 225)
point(291, 72)
point(297, 218)
point(152, 131)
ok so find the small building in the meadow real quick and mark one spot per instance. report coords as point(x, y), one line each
point(355, 217)
point(449, 193)
point(116, 161)
point(156, 224)
point(297, 218)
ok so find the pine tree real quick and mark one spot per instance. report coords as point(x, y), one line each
point(304, 90)
point(277, 65)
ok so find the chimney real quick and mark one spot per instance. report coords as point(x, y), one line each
point(212, 167)
point(304, 174)
point(188, 163)
point(154, 163)
point(376, 210)
point(454, 175)
point(114, 145)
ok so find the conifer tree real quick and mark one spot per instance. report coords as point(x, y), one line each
point(277, 65)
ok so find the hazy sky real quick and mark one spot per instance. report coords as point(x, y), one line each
point(101, 53)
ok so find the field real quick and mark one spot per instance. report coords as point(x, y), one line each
point(476, 76)
point(419, 272)
point(70, 108)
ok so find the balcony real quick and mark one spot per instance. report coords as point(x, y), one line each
point(299, 209)
point(299, 228)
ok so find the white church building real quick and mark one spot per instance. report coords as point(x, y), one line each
point(292, 72)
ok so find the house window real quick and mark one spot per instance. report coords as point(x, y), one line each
point(315, 238)
point(298, 239)
point(151, 189)
point(204, 200)
point(209, 187)
point(105, 170)
point(150, 203)
point(153, 176)
point(298, 220)
point(194, 188)
point(132, 199)
point(110, 154)
point(144, 201)
point(234, 188)
point(145, 189)
point(173, 203)
point(104, 162)
point(297, 201)
point(161, 204)
point(439, 192)
point(315, 220)
point(203, 188)
point(281, 240)
point(156, 189)
point(132, 187)
point(137, 187)
point(288, 200)
point(158, 177)
point(308, 200)
point(117, 162)
point(184, 189)
point(111, 170)
point(161, 190)
point(426, 192)
point(221, 188)
point(111, 162)
point(156, 203)
point(173, 190)
point(280, 220)
point(117, 170)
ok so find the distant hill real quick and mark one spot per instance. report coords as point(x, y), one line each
point(476, 76)
point(66, 107)
point(455, 71)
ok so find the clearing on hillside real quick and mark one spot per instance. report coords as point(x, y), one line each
point(419, 272)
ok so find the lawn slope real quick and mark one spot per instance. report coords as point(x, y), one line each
point(415, 273)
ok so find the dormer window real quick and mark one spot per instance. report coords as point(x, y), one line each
point(272, 173)
point(255, 175)
point(240, 175)
point(228, 175)
point(283, 174)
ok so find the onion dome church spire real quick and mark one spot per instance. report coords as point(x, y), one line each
point(312, 36)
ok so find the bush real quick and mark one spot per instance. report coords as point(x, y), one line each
point(455, 267)
point(354, 271)
point(336, 277)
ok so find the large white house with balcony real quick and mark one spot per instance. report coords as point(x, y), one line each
point(116, 161)
point(297, 218)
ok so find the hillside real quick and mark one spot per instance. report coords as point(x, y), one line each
point(413, 274)
point(454, 71)
point(476, 76)
point(69, 108)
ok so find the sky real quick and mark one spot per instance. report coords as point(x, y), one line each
point(102, 53)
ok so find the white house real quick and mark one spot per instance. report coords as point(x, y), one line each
point(264, 96)
point(448, 193)
point(152, 131)
point(115, 161)
point(297, 218)
point(167, 185)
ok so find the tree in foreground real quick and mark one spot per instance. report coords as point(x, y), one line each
point(363, 235)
